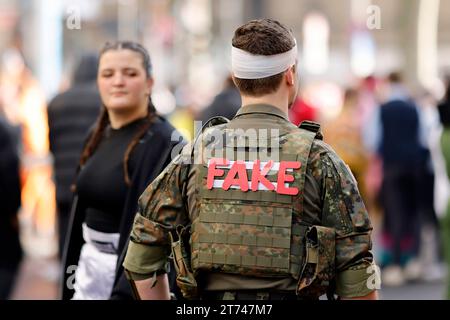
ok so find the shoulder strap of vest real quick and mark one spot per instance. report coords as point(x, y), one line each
point(214, 121)
point(313, 127)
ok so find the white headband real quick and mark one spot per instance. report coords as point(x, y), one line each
point(245, 65)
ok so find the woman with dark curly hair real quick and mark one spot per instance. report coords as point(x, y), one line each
point(129, 145)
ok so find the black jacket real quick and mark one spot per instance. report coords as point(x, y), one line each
point(225, 104)
point(400, 143)
point(70, 115)
point(444, 112)
point(157, 153)
point(11, 251)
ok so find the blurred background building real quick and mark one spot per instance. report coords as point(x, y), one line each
point(342, 44)
point(189, 39)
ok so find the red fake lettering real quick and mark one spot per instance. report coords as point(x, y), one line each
point(214, 172)
point(283, 177)
point(238, 168)
point(260, 176)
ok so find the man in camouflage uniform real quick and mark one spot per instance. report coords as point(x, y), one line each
point(261, 209)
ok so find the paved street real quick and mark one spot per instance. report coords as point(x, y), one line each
point(414, 291)
point(39, 274)
point(38, 280)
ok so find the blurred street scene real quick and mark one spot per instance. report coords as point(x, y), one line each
point(374, 73)
point(38, 280)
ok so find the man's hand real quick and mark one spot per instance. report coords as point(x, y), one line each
point(160, 290)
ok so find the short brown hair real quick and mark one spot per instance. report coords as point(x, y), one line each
point(395, 77)
point(262, 37)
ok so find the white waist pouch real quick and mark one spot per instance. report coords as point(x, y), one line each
point(96, 269)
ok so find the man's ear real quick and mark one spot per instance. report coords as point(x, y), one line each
point(233, 78)
point(290, 76)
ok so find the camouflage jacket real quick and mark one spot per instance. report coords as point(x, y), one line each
point(330, 199)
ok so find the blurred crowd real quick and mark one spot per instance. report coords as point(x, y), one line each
point(396, 142)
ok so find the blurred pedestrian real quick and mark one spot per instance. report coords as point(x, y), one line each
point(367, 100)
point(225, 104)
point(70, 115)
point(396, 135)
point(301, 111)
point(128, 147)
point(25, 108)
point(10, 248)
point(367, 107)
point(344, 135)
point(428, 195)
point(444, 114)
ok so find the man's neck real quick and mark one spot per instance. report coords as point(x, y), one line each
point(277, 100)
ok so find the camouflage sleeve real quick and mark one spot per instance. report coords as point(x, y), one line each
point(343, 209)
point(161, 208)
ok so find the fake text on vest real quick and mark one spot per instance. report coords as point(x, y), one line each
point(237, 175)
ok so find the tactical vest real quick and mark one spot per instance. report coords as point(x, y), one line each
point(257, 233)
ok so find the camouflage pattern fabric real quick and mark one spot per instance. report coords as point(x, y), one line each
point(332, 206)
